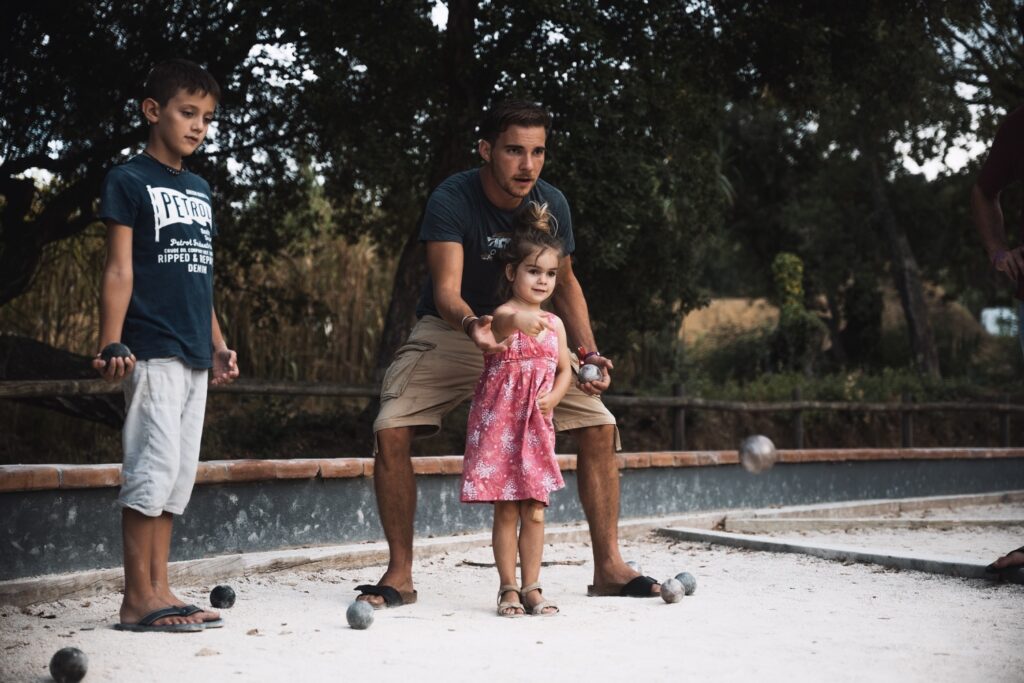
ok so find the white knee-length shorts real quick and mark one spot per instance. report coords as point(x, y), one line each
point(166, 402)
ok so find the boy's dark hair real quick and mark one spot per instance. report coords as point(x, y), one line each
point(167, 78)
point(513, 113)
point(531, 231)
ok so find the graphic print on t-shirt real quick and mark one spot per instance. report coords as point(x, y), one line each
point(171, 207)
point(495, 243)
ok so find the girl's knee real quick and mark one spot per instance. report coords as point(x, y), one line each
point(532, 511)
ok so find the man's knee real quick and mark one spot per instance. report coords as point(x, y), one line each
point(394, 444)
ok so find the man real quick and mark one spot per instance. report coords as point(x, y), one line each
point(466, 222)
point(1004, 165)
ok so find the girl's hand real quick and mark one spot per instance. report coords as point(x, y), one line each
point(116, 370)
point(546, 404)
point(225, 366)
point(598, 386)
point(533, 323)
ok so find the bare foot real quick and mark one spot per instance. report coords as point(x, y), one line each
point(514, 608)
point(400, 582)
point(618, 572)
point(533, 598)
point(164, 593)
point(1014, 558)
point(132, 612)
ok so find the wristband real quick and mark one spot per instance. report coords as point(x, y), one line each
point(583, 354)
point(471, 319)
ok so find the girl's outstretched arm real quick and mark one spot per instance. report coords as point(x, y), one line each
point(508, 319)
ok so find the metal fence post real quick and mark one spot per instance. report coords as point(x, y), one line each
point(678, 420)
point(798, 422)
point(906, 424)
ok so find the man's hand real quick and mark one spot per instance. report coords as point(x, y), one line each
point(225, 366)
point(116, 370)
point(1010, 262)
point(598, 386)
point(483, 336)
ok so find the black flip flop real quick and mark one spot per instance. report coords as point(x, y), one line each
point(189, 610)
point(638, 587)
point(392, 598)
point(146, 623)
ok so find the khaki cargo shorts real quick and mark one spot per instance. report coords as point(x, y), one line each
point(437, 369)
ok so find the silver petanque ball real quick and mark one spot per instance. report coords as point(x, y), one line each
point(635, 566)
point(688, 582)
point(359, 615)
point(757, 453)
point(671, 591)
point(590, 373)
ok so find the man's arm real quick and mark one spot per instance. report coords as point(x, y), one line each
point(571, 306)
point(115, 295)
point(444, 261)
point(988, 219)
point(225, 361)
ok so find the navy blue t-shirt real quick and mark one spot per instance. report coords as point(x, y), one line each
point(172, 259)
point(459, 211)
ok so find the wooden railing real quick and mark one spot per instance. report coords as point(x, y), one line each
point(678, 403)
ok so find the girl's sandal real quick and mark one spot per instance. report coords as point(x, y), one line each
point(538, 609)
point(510, 609)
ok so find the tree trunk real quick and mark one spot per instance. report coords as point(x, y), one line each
point(907, 278)
point(458, 67)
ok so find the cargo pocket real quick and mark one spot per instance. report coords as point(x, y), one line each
point(400, 371)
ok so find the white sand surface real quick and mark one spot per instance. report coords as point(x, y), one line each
point(756, 616)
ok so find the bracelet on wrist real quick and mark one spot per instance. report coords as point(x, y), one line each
point(467, 323)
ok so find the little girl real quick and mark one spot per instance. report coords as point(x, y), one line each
point(510, 439)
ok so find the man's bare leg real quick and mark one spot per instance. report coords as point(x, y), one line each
point(597, 475)
point(163, 527)
point(395, 486)
point(138, 533)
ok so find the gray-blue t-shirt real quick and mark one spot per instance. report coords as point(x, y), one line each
point(459, 211)
point(172, 259)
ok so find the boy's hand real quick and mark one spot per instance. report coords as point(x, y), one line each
point(546, 404)
point(225, 366)
point(116, 370)
point(533, 323)
point(598, 386)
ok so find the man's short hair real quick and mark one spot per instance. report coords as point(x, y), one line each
point(513, 113)
point(167, 78)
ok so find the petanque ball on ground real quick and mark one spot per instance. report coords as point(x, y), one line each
point(590, 373)
point(757, 453)
point(222, 597)
point(688, 582)
point(671, 591)
point(68, 665)
point(635, 566)
point(114, 350)
point(359, 615)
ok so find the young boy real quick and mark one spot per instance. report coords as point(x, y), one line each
point(157, 298)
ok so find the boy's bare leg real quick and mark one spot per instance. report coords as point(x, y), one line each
point(531, 548)
point(503, 541)
point(163, 526)
point(597, 476)
point(138, 536)
point(395, 486)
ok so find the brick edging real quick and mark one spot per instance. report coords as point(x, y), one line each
point(15, 478)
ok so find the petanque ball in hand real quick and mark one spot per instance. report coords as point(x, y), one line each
point(671, 591)
point(68, 665)
point(757, 453)
point(359, 615)
point(688, 582)
point(590, 373)
point(114, 350)
point(222, 597)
